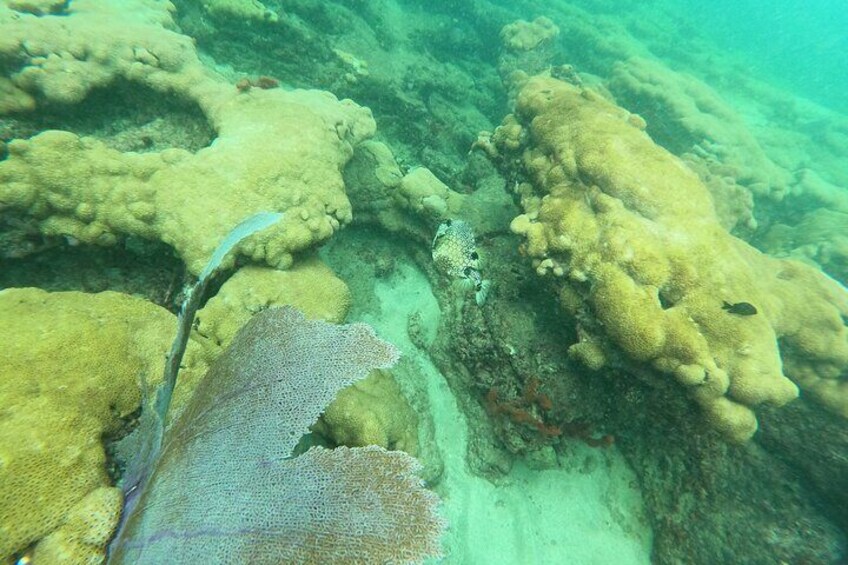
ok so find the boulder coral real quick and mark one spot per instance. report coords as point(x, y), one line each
point(310, 286)
point(686, 116)
point(275, 150)
point(86, 530)
point(371, 412)
point(412, 203)
point(644, 266)
point(70, 373)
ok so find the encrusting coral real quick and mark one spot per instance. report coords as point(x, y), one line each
point(276, 150)
point(645, 265)
point(70, 373)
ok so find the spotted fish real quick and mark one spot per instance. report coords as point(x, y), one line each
point(455, 254)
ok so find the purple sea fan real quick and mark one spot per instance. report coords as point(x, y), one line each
point(225, 488)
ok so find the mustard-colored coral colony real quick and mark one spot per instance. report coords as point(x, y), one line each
point(657, 371)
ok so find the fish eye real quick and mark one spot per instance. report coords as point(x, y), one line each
point(474, 255)
point(466, 271)
point(448, 222)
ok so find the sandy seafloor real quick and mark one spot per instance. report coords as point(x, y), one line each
point(586, 508)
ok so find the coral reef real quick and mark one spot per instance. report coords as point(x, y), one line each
point(528, 48)
point(400, 60)
point(695, 119)
point(415, 203)
point(410, 203)
point(819, 237)
point(245, 9)
point(100, 195)
point(79, 189)
point(372, 411)
point(309, 285)
point(633, 249)
point(645, 266)
point(53, 484)
point(522, 35)
point(70, 374)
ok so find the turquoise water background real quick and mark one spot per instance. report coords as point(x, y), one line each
point(800, 45)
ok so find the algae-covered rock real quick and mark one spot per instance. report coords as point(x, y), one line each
point(427, 196)
point(71, 368)
point(633, 233)
point(411, 203)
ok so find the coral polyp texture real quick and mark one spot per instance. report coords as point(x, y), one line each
point(70, 372)
point(275, 150)
point(645, 267)
point(310, 286)
point(372, 411)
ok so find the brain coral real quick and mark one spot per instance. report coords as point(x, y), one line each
point(70, 368)
point(275, 150)
point(645, 266)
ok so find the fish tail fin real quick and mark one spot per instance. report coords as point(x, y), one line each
point(482, 292)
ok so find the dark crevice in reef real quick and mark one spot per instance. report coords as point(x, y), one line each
point(124, 115)
point(136, 267)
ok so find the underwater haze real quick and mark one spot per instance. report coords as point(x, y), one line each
point(388, 281)
point(801, 47)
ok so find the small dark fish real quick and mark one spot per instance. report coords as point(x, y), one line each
point(740, 308)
